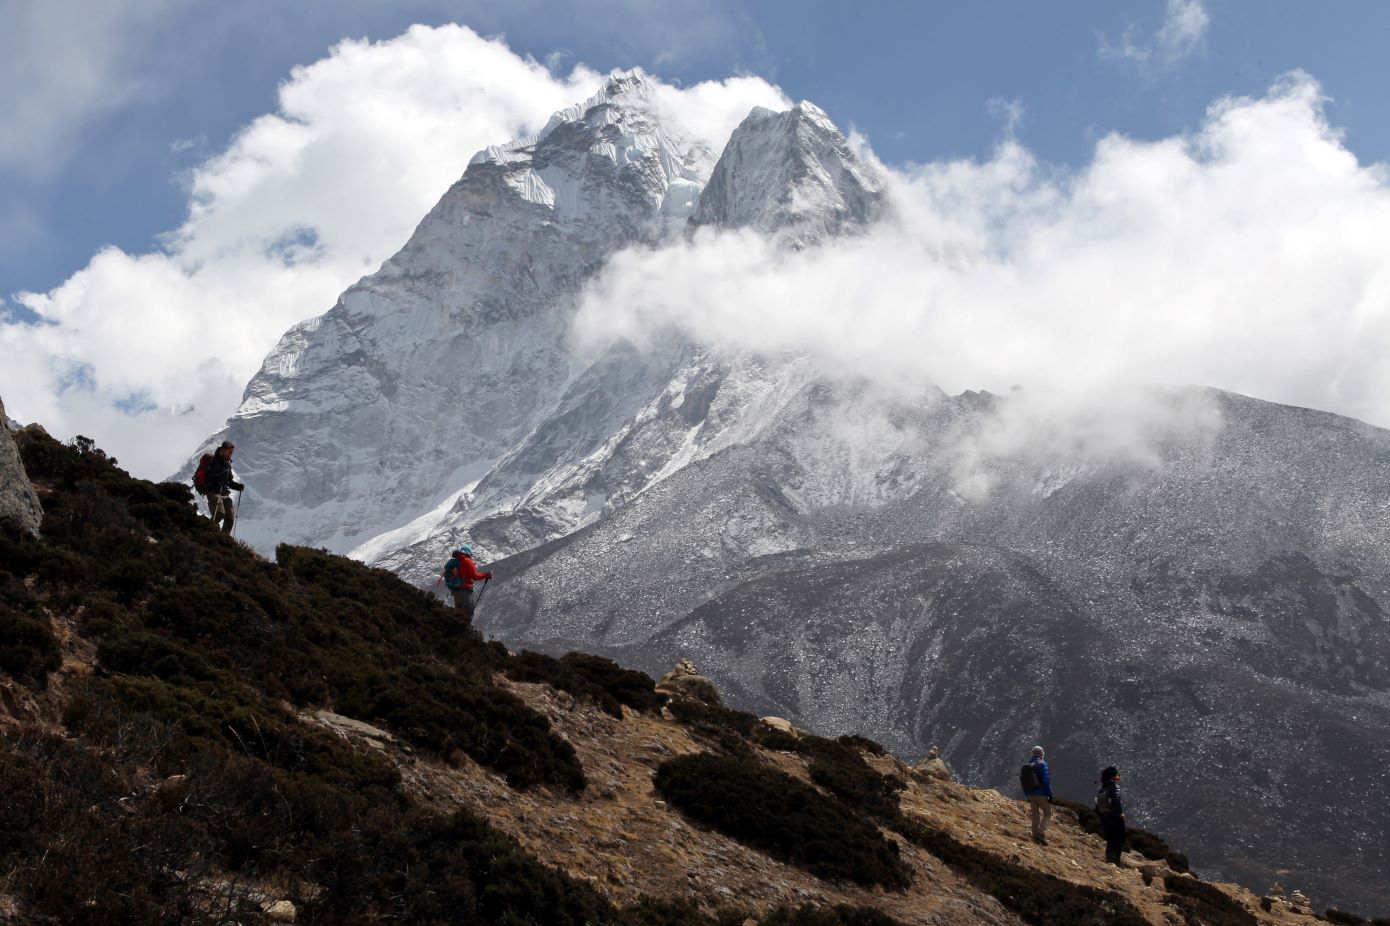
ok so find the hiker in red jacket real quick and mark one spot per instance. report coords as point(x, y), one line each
point(459, 575)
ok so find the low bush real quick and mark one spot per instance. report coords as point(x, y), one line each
point(1204, 905)
point(781, 816)
point(593, 678)
point(1333, 915)
point(1037, 898)
point(28, 648)
point(839, 915)
point(836, 766)
point(723, 728)
point(443, 711)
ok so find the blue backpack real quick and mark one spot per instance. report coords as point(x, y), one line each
point(452, 579)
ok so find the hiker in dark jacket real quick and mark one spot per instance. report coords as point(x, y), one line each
point(218, 484)
point(459, 575)
point(1040, 797)
point(1112, 815)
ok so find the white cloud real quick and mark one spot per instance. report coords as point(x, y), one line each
point(1183, 31)
point(300, 204)
point(1248, 255)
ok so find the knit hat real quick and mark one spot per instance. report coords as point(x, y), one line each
point(1109, 773)
point(466, 549)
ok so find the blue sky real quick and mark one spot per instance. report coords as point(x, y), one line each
point(919, 79)
point(120, 108)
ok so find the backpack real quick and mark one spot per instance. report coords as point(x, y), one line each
point(1028, 777)
point(1104, 805)
point(200, 475)
point(452, 579)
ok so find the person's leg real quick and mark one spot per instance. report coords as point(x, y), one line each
point(1035, 804)
point(1114, 842)
point(1046, 816)
point(228, 514)
point(463, 600)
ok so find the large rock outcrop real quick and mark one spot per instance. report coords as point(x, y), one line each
point(18, 502)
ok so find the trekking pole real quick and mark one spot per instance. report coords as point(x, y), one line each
point(236, 511)
point(479, 600)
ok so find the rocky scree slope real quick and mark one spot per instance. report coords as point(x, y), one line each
point(200, 735)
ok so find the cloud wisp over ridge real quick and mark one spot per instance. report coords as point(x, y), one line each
point(1246, 255)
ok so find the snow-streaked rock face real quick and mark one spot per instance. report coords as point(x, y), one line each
point(790, 173)
point(432, 369)
point(631, 419)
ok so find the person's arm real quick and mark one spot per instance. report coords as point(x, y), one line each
point(1119, 805)
point(472, 570)
point(1046, 779)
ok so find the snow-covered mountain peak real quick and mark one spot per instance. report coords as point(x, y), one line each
point(790, 173)
point(617, 125)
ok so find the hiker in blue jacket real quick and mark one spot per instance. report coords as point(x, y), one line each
point(1039, 795)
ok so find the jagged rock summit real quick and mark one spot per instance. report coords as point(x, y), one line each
point(791, 174)
point(18, 501)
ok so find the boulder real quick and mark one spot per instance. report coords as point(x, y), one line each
point(685, 683)
point(781, 725)
point(18, 502)
point(933, 766)
point(279, 911)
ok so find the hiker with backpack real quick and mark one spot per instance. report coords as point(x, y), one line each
point(1112, 814)
point(215, 480)
point(460, 572)
point(1036, 779)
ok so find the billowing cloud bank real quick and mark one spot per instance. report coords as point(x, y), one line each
point(149, 353)
point(1249, 255)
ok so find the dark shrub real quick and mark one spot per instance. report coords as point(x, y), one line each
point(1038, 898)
point(444, 711)
point(725, 729)
point(594, 678)
point(635, 689)
point(1333, 915)
point(862, 744)
point(836, 766)
point(139, 652)
point(1204, 905)
point(840, 915)
point(781, 816)
point(28, 648)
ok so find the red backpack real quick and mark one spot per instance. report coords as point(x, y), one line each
point(200, 475)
